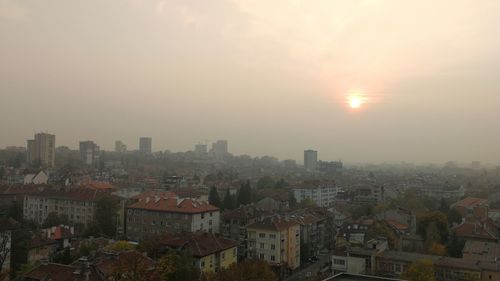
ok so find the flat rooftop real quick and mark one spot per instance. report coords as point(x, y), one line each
point(358, 277)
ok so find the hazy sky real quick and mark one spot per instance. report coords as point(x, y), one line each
point(271, 77)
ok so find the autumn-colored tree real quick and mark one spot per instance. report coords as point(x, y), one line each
point(441, 222)
point(121, 246)
point(131, 266)
point(421, 270)
point(433, 244)
point(254, 270)
point(380, 228)
point(177, 267)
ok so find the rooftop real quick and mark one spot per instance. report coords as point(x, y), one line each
point(273, 223)
point(470, 202)
point(201, 244)
point(172, 204)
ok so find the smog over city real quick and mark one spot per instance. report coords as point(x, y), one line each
point(238, 140)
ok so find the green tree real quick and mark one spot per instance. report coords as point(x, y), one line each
point(213, 197)
point(455, 246)
point(106, 215)
point(177, 267)
point(63, 257)
point(380, 228)
point(245, 194)
point(228, 202)
point(281, 183)
point(54, 219)
point(421, 270)
point(265, 182)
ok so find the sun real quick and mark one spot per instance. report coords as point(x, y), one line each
point(355, 102)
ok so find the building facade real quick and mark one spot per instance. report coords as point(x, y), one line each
point(323, 194)
point(154, 215)
point(41, 150)
point(89, 153)
point(310, 160)
point(145, 145)
point(275, 240)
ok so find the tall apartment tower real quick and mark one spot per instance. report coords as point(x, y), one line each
point(219, 149)
point(145, 145)
point(200, 149)
point(310, 159)
point(120, 147)
point(42, 150)
point(89, 153)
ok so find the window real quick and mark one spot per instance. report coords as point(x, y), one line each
point(234, 252)
point(261, 256)
point(262, 245)
point(262, 235)
point(273, 247)
point(273, 258)
point(202, 215)
point(272, 236)
point(338, 261)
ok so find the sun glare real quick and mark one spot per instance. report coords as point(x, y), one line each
point(355, 102)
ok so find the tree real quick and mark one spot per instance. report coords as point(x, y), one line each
point(265, 182)
point(380, 228)
point(130, 266)
point(281, 184)
point(228, 202)
point(5, 240)
point(454, 217)
point(106, 215)
point(439, 219)
point(54, 219)
point(455, 246)
point(121, 246)
point(63, 257)
point(255, 270)
point(421, 270)
point(213, 197)
point(177, 267)
point(433, 241)
point(245, 194)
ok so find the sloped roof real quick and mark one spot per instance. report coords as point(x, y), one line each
point(470, 202)
point(175, 205)
point(273, 223)
point(200, 244)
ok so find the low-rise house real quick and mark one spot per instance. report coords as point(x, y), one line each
point(275, 240)
point(400, 219)
point(210, 251)
point(355, 231)
point(155, 215)
point(481, 251)
point(61, 233)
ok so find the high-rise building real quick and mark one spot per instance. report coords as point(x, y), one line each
point(42, 150)
point(145, 145)
point(219, 149)
point(310, 159)
point(200, 149)
point(89, 153)
point(120, 147)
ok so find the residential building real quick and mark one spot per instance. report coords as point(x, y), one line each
point(39, 178)
point(200, 150)
point(219, 149)
point(275, 240)
point(153, 215)
point(441, 191)
point(313, 231)
point(348, 264)
point(330, 168)
point(145, 145)
point(78, 204)
point(41, 150)
point(310, 160)
point(89, 153)
point(234, 222)
point(472, 208)
point(483, 231)
point(322, 193)
point(481, 251)
point(120, 147)
point(211, 252)
point(370, 193)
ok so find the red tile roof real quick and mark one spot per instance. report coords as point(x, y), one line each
point(200, 244)
point(75, 193)
point(57, 272)
point(396, 225)
point(478, 230)
point(470, 202)
point(98, 185)
point(172, 204)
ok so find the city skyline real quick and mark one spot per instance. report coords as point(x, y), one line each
point(361, 81)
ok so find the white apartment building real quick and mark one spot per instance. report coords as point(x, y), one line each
point(321, 193)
